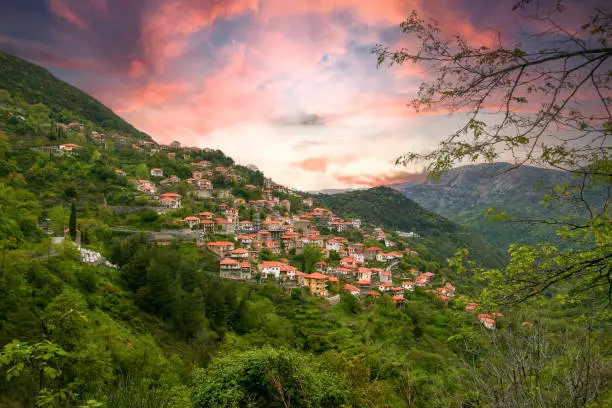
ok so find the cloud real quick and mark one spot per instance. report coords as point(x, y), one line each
point(320, 164)
point(61, 9)
point(381, 179)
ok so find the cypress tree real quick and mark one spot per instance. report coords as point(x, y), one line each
point(72, 224)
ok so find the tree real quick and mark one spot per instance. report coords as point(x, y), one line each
point(57, 219)
point(72, 223)
point(545, 103)
point(142, 171)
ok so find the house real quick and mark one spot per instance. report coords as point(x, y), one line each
point(333, 280)
point(408, 285)
point(364, 285)
point(176, 197)
point(69, 149)
point(316, 282)
point(333, 245)
point(229, 269)
point(151, 190)
point(398, 291)
point(385, 276)
point(385, 287)
point(157, 172)
point(206, 215)
point(203, 184)
point(246, 270)
point(207, 225)
point(220, 248)
point(364, 274)
point(321, 266)
point(239, 253)
point(356, 222)
point(120, 173)
point(399, 300)
point(270, 268)
point(224, 226)
point(287, 272)
point(191, 221)
point(359, 258)
point(169, 203)
point(370, 253)
point(351, 289)
point(245, 225)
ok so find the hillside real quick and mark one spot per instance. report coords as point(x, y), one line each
point(387, 207)
point(134, 274)
point(33, 84)
point(465, 193)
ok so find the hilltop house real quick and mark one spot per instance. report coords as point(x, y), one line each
point(157, 172)
point(191, 221)
point(316, 282)
point(230, 269)
point(268, 268)
point(351, 289)
point(408, 285)
point(220, 248)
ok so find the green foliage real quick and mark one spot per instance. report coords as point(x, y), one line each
point(72, 222)
point(388, 208)
point(267, 378)
point(53, 99)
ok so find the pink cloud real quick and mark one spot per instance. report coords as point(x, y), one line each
point(167, 29)
point(320, 164)
point(62, 10)
point(381, 179)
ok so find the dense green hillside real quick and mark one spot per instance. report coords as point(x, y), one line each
point(150, 323)
point(386, 207)
point(464, 194)
point(33, 85)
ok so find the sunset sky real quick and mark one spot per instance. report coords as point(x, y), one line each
point(288, 85)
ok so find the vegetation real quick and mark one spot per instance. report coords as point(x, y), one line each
point(388, 208)
point(466, 194)
point(157, 327)
point(540, 121)
point(54, 100)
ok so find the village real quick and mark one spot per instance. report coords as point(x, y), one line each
point(279, 231)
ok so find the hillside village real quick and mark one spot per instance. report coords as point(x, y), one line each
point(256, 228)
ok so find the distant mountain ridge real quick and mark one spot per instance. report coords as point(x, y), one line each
point(36, 85)
point(390, 209)
point(463, 194)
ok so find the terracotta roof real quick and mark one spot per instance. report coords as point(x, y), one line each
point(191, 218)
point(316, 275)
point(363, 282)
point(220, 243)
point(350, 288)
point(373, 293)
point(228, 261)
point(170, 195)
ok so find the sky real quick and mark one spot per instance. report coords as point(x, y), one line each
point(290, 86)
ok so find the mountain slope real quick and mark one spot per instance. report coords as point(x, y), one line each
point(390, 209)
point(35, 85)
point(464, 194)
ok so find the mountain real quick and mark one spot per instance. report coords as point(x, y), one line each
point(33, 84)
point(332, 191)
point(465, 193)
point(390, 209)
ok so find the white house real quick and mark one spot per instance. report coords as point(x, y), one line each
point(157, 172)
